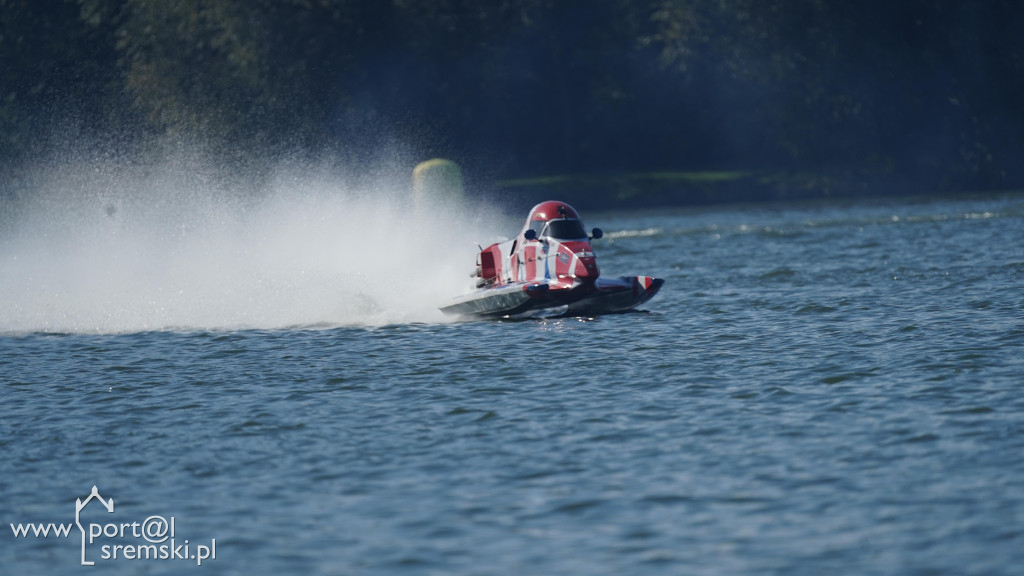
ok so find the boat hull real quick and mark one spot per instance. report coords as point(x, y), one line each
point(605, 296)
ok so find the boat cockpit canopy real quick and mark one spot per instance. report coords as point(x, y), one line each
point(559, 229)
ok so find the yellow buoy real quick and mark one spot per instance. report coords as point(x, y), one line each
point(437, 183)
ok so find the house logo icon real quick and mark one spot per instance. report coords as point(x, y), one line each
point(79, 506)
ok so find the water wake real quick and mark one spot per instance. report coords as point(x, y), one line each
point(124, 249)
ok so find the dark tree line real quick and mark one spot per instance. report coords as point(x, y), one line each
point(930, 90)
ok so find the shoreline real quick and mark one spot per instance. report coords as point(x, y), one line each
point(667, 189)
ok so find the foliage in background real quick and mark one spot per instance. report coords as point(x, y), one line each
point(917, 89)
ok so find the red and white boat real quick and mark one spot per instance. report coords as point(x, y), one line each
point(549, 267)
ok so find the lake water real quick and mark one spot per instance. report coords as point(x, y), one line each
point(818, 389)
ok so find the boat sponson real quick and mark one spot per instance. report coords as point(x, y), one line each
point(501, 301)
point(617, 295)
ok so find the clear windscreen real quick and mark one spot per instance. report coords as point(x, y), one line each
point(565, 230)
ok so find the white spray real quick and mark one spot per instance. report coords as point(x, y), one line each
point(114, 248)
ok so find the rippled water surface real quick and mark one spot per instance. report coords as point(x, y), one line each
point(828, 389)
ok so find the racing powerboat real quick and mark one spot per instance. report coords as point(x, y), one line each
point(549, 267)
